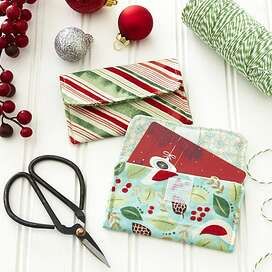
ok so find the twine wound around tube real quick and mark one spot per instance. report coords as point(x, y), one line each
point(235, 35)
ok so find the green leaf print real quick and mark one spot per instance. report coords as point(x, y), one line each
point(234, 192)
point(136, 171)
point(221, 206)
point(223, 246)
point(116, 201)
point(114, 221)
point(131, 213)
point(119, 168)
point(163, 223)
point(214, 244)
point(199, 195)
point(203, 242)
point(145, 194)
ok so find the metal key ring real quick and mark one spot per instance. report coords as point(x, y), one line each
point(261, 260)
point(250, 161)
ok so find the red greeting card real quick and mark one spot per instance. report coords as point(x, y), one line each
point(170, 153)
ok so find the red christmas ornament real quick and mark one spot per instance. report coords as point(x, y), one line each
point(135, 23)
point(89, 6)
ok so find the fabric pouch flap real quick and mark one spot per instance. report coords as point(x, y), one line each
point(121, 83)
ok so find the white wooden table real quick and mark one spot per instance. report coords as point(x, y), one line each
point(218, 97)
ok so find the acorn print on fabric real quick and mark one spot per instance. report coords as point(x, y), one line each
point(140, 229)
point(179, 208)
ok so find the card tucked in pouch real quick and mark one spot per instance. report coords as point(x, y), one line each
point(196, 209)
point(100, 103)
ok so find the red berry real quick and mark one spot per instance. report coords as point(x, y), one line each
point(7, 27)
point(128, 185)
point(21, 40)
point(10, 38)
point(193, 212)
point(207, 209)
point(26, 132)
point(6, 131)
point(6, 76)
point(31, 1)
point(199, 209)
point(151, 207)
point(193, 218)
point(3, 42)
point(13, 12)
point(4, 89)
point(8, 106)
point(12, 91)
point(20, 3)
point(3, 7)
point(24, 117)
point(26, 14)
point(12, 51)
point(124, 190)
point(118, 180)
point(21, 26)
point(199, 219)
point(113, 189)
point(202, 214)
point(150, 211)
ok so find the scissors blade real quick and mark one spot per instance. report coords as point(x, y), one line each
point(92, 246)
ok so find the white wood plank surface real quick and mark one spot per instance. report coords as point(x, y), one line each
point(219, 98)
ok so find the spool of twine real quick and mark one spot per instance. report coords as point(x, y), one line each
point(242, 41)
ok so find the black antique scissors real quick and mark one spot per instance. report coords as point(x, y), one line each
point(77, 229)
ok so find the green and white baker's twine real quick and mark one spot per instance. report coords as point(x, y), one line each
point(267, 201)
point(236, 36)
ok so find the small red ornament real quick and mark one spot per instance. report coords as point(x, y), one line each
point(89, 6)
point(135, 23)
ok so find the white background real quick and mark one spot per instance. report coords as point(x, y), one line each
point(218, 96)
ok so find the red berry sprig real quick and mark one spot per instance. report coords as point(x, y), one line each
point(7, 107)
point(22, 118)
point(12, 37)
point(7, 89)
point(13, 28)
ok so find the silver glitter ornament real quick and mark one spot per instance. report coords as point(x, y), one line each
point(72, 43)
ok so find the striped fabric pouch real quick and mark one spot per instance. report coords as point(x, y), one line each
point(100, 103)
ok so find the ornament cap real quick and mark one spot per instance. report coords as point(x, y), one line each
point(120, 42)
point(110, 3)
point(89, 38)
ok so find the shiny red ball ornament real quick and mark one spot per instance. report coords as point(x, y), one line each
point(89, 6)
point(135, 23)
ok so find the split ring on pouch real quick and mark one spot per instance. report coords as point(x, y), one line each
point(268, 255)
point(249, 164)
point(261, 261)
point(268, 218)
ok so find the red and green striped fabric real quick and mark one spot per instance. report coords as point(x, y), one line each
point(100, 103)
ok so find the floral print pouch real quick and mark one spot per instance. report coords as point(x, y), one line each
point(170, 204)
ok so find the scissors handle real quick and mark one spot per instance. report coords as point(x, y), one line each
point(56, 223)
point(7, 203)
point(34, 179)
point(78, 210)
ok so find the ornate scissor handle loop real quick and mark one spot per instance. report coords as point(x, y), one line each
point(69, 163)
point(10, 212)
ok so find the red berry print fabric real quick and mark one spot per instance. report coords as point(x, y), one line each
point(153, 195)
point(208, 218)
